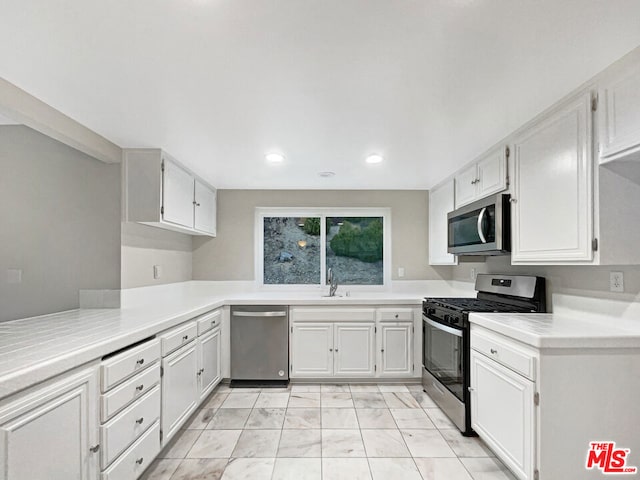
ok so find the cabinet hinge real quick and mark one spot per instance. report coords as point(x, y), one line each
point(507, 151)
point(413, 329)
point(536, 399)
point(536, 474)
point(162, 371)
point(162, 210)
point(161, 433)
point(375, 368)
point(291, 329)
point(162, 166)
point(594, 244)
point(375, 329)
point(594, 103)
point(413, 367)
point(291, 367)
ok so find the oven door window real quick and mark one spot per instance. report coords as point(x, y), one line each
point(443, 358)
point(473, 228)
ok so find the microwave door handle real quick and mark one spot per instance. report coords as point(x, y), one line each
point(480, 218)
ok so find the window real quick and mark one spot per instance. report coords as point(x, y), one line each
point(297, 246)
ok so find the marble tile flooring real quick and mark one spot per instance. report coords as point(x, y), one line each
point(324, 432)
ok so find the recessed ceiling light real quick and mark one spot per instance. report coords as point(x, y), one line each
point(326, 174)
point(274, 157)
point(374, 158)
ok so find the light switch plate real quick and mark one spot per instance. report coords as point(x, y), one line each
point(400, 272)
point(157, 271)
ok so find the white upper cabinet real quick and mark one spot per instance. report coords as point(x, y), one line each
point(205, 208)
point(552, 204)
point(441, 202)
point(485, 177)
point(619, 117)
point(177, 195)
point(162, 193)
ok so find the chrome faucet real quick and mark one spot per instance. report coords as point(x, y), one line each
point(332, 280)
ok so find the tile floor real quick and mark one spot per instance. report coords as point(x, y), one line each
point(324, 432)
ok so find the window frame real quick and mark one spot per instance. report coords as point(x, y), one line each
point(322, 212)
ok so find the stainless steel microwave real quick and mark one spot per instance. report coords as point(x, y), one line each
point(481, 228)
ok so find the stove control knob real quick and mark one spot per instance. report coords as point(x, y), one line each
point(431, 311)
point(447, 317)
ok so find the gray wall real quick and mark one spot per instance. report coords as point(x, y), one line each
point(559, 278)
point(230, 256)
point(59, 223)
point(144, 246)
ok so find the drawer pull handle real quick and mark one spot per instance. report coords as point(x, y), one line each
point(336, 349)
point(186, 337)
point(331, 349)
point(140, 362)
point(200, 371)
point(396, 315)
point(140, 460)
point(382, 350)
point(493, 351)
point(94, 449)
point(140, 420)
point(140, 387)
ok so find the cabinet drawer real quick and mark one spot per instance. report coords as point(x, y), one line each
point(209, 321)
point(118, 398)
point(395, 314)
point(120, 432)
point(177, 337)
point(137, 458)
point(509, 355)
point(127, 363)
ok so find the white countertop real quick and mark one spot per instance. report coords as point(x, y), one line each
point(553, 330)
point(35, 349)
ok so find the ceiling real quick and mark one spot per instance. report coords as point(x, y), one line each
point(428, 84)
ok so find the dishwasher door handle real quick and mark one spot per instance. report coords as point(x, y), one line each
point(259, 314)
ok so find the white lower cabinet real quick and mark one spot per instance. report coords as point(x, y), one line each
point(502, 412)
point(208, 362)
point(311, 350)
point(354, 349)
point(332, 349)
point(191, 368)
point(395, 341)
point(354, 342)
point(179, 388)
point(50, 433)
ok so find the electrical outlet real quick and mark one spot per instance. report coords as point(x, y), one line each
point(157, 271)
point(472, 274)
point(400, 272)
point(616, 281)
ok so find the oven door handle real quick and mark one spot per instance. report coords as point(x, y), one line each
point(444, 328)
point(480, 219)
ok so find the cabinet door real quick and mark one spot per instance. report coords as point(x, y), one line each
point(502, 413)
point(396, 355)
point(492, 173)
point(47, 435)
point(354, 349)
point(205, 208)
point(208, 362)
point(441, 202)
point(466, 186)
point(177, 195)
point(179, 389)
point(312, 350)
point(620, 117)
point(553, 196)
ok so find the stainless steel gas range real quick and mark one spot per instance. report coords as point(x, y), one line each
point(446, 342)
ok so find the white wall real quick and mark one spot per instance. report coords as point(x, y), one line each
point(230, 256)
point(59, 223)
point(144, 246)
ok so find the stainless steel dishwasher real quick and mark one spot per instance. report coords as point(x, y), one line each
point(259, 345)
